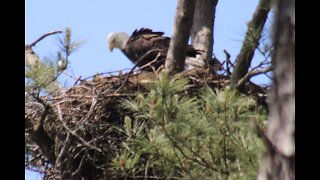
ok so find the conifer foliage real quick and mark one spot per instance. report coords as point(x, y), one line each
point(175, 136)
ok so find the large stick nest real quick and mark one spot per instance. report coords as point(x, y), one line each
point(76, 132)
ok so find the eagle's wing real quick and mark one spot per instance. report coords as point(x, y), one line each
point(144, 40)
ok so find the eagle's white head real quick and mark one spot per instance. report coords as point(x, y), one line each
point(117, 40)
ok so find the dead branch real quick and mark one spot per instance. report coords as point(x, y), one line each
point(181, 31)
point(253, 73)
point(202, 28)
point(228, 63)
point(92, 107)
point(42, 37)
point(137, 64)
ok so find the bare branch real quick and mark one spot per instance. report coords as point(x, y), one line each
point(137, 64)
point(228, 62)
point(42, 37)
point(203, 28)
point(253, 73)
point(63, 151)
point(178, 45)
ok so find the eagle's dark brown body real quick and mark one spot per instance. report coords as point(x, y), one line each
point(143, 40)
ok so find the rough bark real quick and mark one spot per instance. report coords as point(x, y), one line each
point(250, 43)
point(181, 31)
point(279, 159)
point(203, 28)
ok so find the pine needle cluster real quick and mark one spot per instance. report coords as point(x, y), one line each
point(175, 136)
point(41, 76)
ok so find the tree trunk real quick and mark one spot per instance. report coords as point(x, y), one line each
point(250, 43)
point(203, 28)
point(181, 31)
point(279, 159)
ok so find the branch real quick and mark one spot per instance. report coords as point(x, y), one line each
point(251, 42)
point(42, 37)
point(178, 45)
point(228, 62)
point(202, 28)
point(63, 151)
point(253, 73)
point(137, 64)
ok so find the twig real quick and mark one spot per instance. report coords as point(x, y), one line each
point(93, 104)
point(137, 64)
point(146, 170)
point(104, 73)
point(63, 150)
point(153, 177)
point(81, 162)
point(66, 142)
point(42, 37)
point(88, 96)
point(202, 162)
point(253, 73)
point(264, 62)
point(228, 62)
point(151, 62)
point(77, 81)
point(73, 132)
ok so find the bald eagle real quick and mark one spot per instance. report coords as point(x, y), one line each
point(145, 46)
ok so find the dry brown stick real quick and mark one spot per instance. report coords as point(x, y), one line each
point(151, 62)
point(80, 165)
point(73, 132)
point(137, 64)
point(82, 96)
point(228, 63)
point(104, 73)
point(63, 150)
point(93, 105)
point(153, 177)
point(43, 36)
